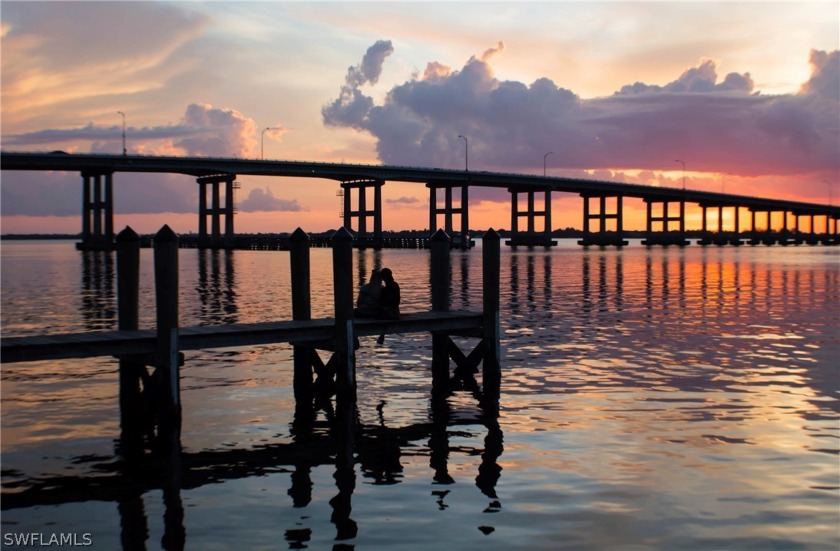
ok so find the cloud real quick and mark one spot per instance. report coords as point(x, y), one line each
point(493, 52)
point(403, 201)
point(702, 78)
point(75, 57)
point(371, 66)
point(217, 132)
point(264, 200)
point(352, 106)
point(204, 130)
point(276, 132)
point(94, 133)
point(716, 125)
point(825, 75)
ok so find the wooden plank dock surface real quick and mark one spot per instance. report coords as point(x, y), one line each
point(144, 341)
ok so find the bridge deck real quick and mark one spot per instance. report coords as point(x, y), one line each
point(144, 341)
point(346, 172)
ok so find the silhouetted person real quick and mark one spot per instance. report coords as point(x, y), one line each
point(370, 295)
point(389, 299)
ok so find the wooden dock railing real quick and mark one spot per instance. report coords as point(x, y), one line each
point(161, 348)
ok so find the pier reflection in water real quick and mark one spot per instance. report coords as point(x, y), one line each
point(319, 438)
point(651, 399)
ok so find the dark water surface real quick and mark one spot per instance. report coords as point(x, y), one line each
point(651, 399)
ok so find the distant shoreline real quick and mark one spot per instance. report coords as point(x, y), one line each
point(37, 236)
point(559, 233)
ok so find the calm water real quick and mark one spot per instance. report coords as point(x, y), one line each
point(651, 399)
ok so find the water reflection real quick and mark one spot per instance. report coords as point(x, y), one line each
point(602, 284)
point(463, 277)
point(321, 435)
point(665, 281)
point(99, 300)
point(706, 414)
point(216, 287)
point(364, 258)
point(134, 526)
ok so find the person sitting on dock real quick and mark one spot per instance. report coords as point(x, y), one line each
point(368, 304)
point(389, 299)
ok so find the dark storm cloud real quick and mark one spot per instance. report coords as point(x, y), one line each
point(722, 125)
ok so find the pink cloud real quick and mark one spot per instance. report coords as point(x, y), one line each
point(204, 130)
point(716, 125)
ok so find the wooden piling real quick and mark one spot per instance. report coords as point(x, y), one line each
point(491, 264)
point(301, 310)
point(166, 299)
point(440, 271)
point(440, 275)
point(344, 353)
point(128, 293)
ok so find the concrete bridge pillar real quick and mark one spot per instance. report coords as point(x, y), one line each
point(362, 212)
point(666, 236)
point(830, 237)
point(602, 237)
point(784, 234)
point(530, 237)
point(766, 237)
point(460, 239)
point(214, 240)
point(800, 237)
point(721, 237)
point(97, 212)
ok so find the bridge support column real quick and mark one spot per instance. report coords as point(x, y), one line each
point(785, 234)
point(216, 211)
point(461, 239)
point(802, 236)
point(766, 237)
point(666, 236)
point(602, 238)
point(97, 212)
point(530, 237)
point(362, 213)
point(830, 237)
point(720, 237)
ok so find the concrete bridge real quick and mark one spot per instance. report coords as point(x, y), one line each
point(361, 187)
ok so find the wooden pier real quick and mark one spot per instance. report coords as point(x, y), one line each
point(161, 348)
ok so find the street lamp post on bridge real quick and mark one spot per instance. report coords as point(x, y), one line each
point(466, 153)
point(544, 158)
point(125, 151)
point(262, 142)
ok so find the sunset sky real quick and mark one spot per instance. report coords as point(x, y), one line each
point(747, 94)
